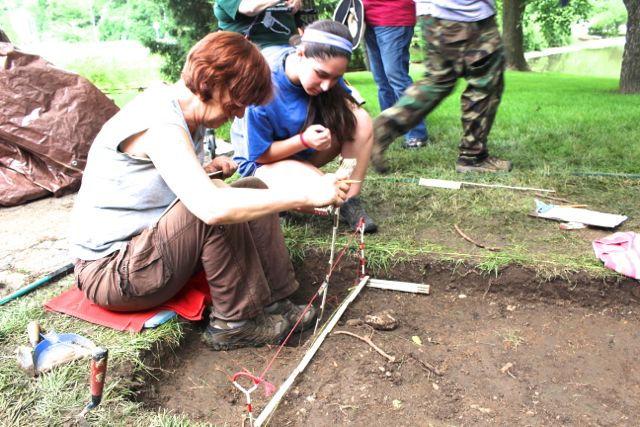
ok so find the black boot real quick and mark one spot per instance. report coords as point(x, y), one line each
point(352, 211)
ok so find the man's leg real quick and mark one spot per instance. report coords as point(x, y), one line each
point(394, 43)
point(386, 96)
point(421, 97)
point(484, 71)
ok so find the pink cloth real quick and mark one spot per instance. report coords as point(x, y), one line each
point(390, 13)
point(620, 252)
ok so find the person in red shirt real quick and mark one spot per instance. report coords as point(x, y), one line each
point(387, 37)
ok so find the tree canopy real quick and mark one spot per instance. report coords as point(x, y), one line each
point(171, 27)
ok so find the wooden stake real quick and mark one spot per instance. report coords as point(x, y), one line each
point(456, 185)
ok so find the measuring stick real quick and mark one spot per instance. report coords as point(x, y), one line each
point(392, 285)
point(456, 185)
point(266, 412)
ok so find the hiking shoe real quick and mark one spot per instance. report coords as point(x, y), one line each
point(292, 313)
point(351, 212)
point(378, 161)
point(384, 133)
point(256, 332)
point(488, 165)
point(413, 143)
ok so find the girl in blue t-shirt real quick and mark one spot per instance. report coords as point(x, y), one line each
point(310, 121)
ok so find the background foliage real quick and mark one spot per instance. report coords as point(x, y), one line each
point(170, 27)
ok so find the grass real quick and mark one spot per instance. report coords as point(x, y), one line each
point(55, 398)
point(549, 125)
point(552, 126)
point(511, 338)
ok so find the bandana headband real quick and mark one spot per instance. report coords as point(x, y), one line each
point(317, 36)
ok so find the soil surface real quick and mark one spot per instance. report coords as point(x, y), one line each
point(479, 350)
point(34, 241)
point(506, 350)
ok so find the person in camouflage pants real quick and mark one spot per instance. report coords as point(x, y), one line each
point(472, 50)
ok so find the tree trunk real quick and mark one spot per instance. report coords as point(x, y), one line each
point(512, 13)
point(630, 74)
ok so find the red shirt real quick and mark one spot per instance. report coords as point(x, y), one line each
point(390, 13)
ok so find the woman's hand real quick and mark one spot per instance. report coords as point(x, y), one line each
point(317, 137)
point(327, 190)
point(224, 164)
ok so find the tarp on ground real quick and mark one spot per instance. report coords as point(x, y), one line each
point(48, 120)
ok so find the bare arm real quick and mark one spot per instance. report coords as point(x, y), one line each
point(213, 202)
point(315, 136)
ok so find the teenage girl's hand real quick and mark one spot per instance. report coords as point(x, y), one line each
point(317, 137)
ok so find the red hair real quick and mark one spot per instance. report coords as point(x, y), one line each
point(225, 61)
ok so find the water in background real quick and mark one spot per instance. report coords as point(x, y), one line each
point(604, 62)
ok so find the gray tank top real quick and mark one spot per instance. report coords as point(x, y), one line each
point(121, 195)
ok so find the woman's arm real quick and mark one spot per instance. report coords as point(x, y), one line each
point(214, 202)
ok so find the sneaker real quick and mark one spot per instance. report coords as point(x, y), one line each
point(351, 212)
point(413, 143)
point(256, 332)
point(292, 313)
point(488, 165)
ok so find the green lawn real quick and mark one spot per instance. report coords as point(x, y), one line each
point(550, 125)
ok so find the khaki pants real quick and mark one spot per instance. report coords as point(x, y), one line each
point(247, 265)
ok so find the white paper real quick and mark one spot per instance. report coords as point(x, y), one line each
point(585, 216)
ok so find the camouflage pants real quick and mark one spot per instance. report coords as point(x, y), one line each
point(472, 50)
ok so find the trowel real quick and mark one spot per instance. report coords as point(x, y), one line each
point(54, 350)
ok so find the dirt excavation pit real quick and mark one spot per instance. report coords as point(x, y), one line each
point(479, 350)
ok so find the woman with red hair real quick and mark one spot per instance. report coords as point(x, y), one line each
point(135, 248)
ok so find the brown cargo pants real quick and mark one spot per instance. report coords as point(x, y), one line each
point(246, 265)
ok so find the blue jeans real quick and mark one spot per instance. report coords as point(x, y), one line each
point(388, 51)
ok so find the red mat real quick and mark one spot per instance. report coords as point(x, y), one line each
point(189, 303)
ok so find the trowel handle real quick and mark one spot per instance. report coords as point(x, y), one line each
point(33, 331)
point(98, 373)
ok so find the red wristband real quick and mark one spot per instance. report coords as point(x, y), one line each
point(303, 141)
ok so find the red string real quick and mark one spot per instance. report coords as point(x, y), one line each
point(269, 388)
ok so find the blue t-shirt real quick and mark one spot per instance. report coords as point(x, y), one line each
point(282, 118)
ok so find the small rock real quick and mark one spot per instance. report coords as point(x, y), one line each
point(506, 367)
point(481, 409)
point(354, 322)
point(435, 386)
point(382, 321)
